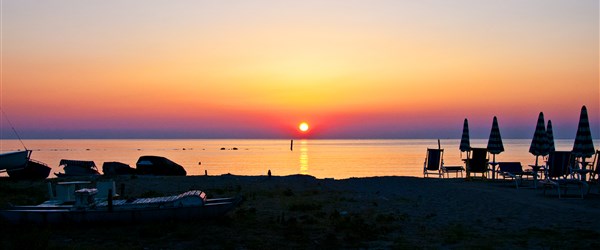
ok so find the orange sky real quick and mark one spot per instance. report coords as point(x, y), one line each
point(256, 69)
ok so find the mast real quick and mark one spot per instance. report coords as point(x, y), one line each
point(13, 128)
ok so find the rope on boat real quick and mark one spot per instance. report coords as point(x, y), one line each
point(13, 128)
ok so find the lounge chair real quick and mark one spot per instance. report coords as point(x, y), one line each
point(594, 172)
point(590, 172)
point(478, 163)
point(514, 171)
point(433, 162)
point(558, 172)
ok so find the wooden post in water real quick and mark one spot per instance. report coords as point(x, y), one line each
point(292, 145)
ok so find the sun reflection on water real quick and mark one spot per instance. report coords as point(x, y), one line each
point(303, 157)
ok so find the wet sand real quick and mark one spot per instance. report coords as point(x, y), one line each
point(379, 212)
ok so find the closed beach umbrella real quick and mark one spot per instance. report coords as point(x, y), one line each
point(550, 137)
point(584, 146)
point(465, 144)
point(495, 145)
point(539, 144)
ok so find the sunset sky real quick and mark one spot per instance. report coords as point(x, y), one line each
point(257, 69)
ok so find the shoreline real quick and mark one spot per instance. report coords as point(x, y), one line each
point(300, 211)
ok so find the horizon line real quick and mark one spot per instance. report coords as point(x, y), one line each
point(262, 138)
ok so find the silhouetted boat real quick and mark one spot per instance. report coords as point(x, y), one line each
point(14, 160)
point(87, 209)
point(33, 171)
point(117, 168)
point(77, 168)
point(19, 165)
point(157, 165)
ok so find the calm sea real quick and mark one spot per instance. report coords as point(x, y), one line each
point(319, 158)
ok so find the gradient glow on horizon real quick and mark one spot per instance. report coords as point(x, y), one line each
point(255, 69)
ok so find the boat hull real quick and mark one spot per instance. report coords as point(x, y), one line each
point(33, 171)
point(14, 160)
point(103, 215)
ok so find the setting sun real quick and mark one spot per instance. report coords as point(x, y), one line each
point(258, 69)
point(303, 127)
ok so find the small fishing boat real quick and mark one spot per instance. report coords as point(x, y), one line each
point(19, 165)
point(86, 208)
point(34, 170)
point(158, 165)
point(77, 168)
point(112, 168)
point(14, 160)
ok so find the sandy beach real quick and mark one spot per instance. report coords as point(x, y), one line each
point(305, 212)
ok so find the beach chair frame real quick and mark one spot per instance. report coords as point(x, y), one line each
point(594, 172)
point(558, 174)
point(478, 163)
point(434, 160)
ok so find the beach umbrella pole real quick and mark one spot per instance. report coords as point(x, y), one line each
point(493, 166)
point(583, 167)
point(467, 165)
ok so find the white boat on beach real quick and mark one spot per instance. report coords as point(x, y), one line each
point(83, 206)
point(19, 165)
point(14, 160)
